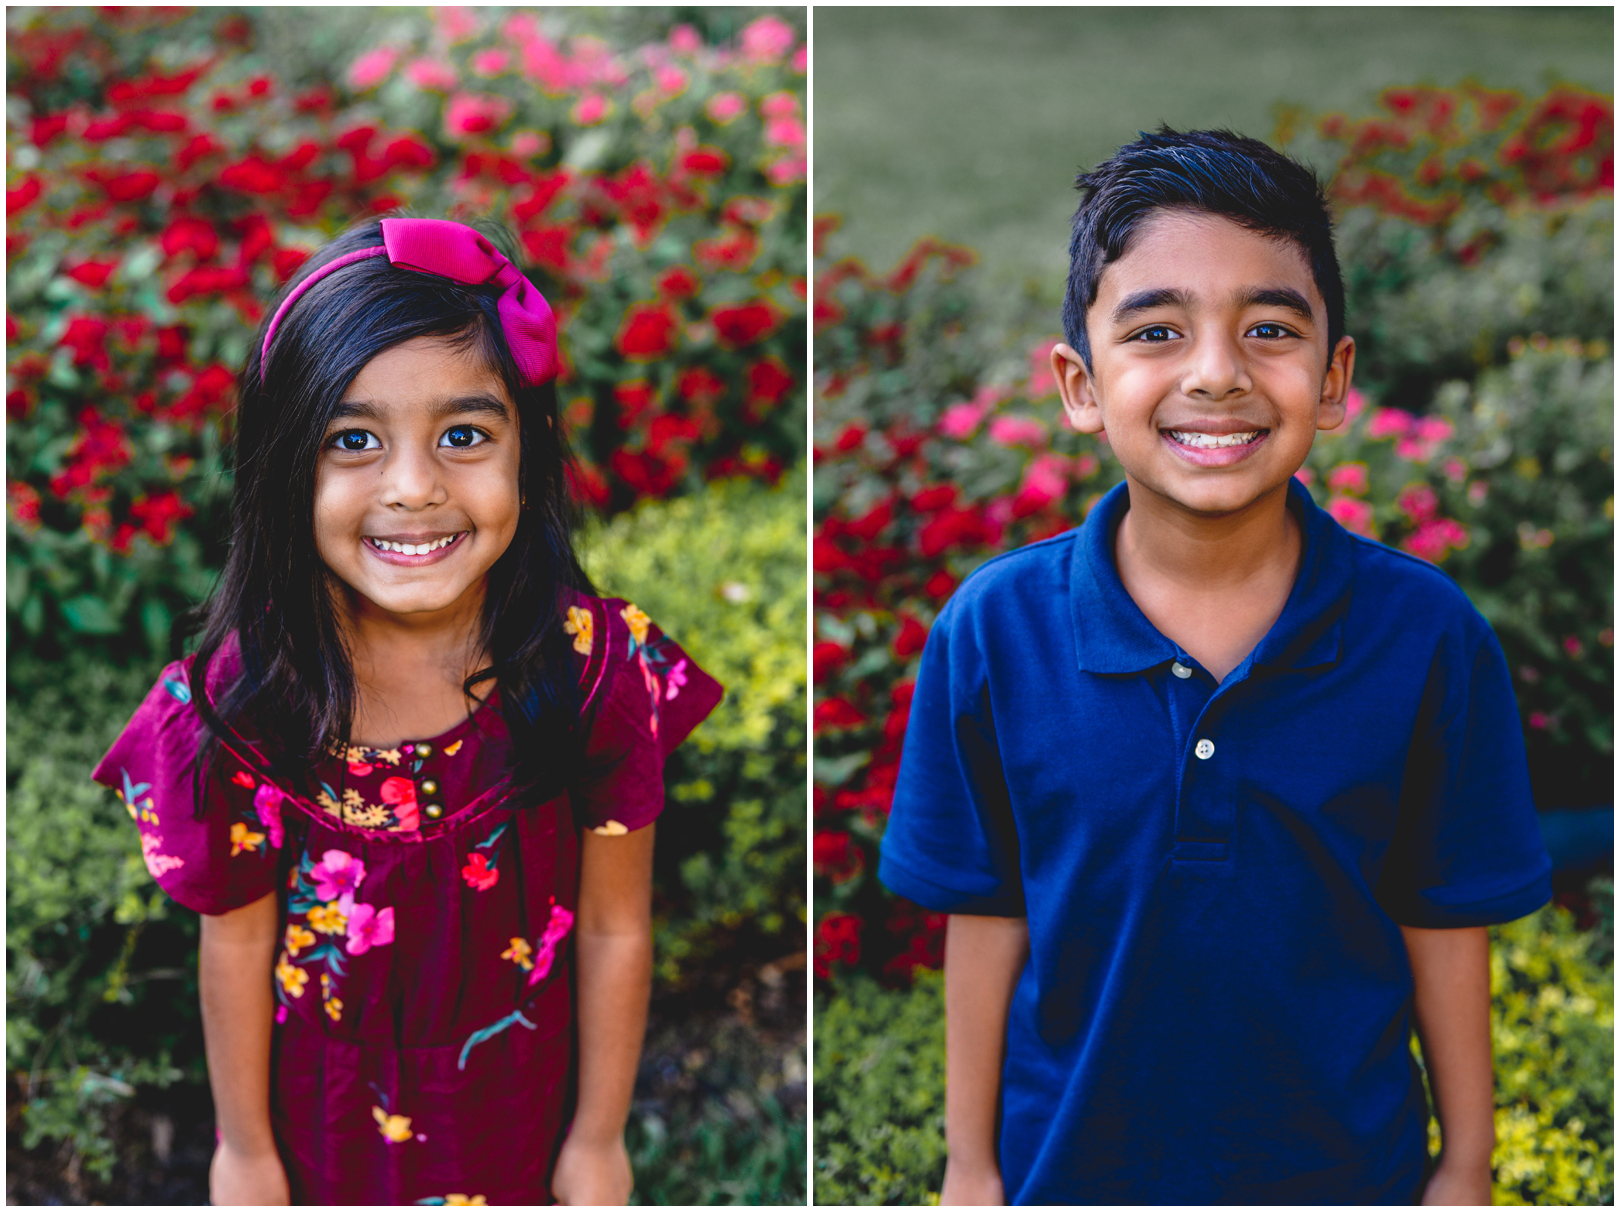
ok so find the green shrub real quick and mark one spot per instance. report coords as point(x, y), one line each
point(880, 1084)
point(880, 1073)
point(724, 574)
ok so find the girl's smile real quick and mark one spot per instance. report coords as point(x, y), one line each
point(416, 492)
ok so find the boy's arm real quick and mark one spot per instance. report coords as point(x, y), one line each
point(233, 978)
point(613, 952)
point(1452, 1004)
point(984, 955)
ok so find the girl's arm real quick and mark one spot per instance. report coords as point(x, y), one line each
point(984, 955)
point(1452, 1004)
point(613, 950)
point(233, 975)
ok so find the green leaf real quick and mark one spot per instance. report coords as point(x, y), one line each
point(88, 614)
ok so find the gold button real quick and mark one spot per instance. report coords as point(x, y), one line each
point(424, 750)
point(428, 786)
point(433, 810)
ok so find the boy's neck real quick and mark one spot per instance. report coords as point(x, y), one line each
point(1213, 584)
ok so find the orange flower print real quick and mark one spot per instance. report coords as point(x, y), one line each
point(455, 747)
point(396, 1128)
point(330, 1002)
point(579, 627)
point(328, 919)
point(638, 622)
point(292, 978)
point(298, 937)
point(520, 953)
point(243, 840)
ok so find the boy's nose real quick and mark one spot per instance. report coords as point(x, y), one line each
point(1216, 369)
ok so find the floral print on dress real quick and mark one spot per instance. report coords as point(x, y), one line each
point(479, 873)
point(452, 1200)
point(663, 675)
point(579, 625)
point(335, 927)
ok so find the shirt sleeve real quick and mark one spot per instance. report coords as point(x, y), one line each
point(215, 862)
point(1467, 850)
point(951, 845)
point(651, 695)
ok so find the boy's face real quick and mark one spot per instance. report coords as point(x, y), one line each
point(1210, 365)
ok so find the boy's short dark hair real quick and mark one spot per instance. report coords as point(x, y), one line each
point(1212, 171)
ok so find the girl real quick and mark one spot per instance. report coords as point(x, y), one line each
point(409, 776)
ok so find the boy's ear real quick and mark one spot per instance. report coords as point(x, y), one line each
point(1336, 385)
point(1076, 387)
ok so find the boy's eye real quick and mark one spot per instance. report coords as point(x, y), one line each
point(1271, 330)
point(1154, 333)
point(463, 436)
point(355, 440)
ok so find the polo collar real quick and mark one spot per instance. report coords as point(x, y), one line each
point(1113, 637)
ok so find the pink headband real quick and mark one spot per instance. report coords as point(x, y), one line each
point(457, 252)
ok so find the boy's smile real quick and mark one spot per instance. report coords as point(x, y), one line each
point(1210, 366)
point(416, 491)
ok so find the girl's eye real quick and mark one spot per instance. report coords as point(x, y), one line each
point(355, 440)
point(1154, 334)
point(1273, 331)
point(463, 436)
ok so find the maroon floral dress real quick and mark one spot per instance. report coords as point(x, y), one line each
point(424, 1004)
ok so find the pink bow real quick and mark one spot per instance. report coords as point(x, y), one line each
point(457, 252)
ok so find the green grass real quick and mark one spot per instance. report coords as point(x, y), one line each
point(970, 123)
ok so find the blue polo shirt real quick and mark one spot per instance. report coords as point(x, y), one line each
point(1217, 1002)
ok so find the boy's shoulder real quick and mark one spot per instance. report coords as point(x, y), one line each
point(1395, 584)
point(1032, 577)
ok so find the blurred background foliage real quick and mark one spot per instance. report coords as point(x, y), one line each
point(166, 171)
point(1475, 229)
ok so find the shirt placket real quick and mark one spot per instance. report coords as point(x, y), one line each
point(1204, 801)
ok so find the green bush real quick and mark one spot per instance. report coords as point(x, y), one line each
point(724, 574)
point(101, 986)
point(880, 1073)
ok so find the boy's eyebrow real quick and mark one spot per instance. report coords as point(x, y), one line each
point(1173, 297)
point(475, 402)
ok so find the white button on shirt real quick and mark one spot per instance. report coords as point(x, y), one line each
point(1204, 748)
point(1180, 671)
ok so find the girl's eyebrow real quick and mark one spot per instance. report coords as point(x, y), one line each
point(475, 402)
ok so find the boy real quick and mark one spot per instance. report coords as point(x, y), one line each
point(1219, 796)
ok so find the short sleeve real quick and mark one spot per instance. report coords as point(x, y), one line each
point(1467, 850)
point(951, 844)
point(213, 863)
point(648, 696)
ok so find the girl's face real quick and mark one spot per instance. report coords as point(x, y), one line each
point(416, 491)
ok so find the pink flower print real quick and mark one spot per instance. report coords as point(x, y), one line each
point(368, 927)
point(401, 794)
point(267, 801)
point(357, 768)
point(477, 872)
point(556, 929)
point(337, 875)
point(675, 680)
point(156, 863)
point(651, 682)
point(245, 779)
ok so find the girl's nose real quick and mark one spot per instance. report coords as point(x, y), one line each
point(411, 480)
point(1216, 368)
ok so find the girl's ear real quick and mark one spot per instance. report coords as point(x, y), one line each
point(1075, 386)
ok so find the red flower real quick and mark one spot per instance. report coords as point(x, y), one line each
point(130, 187)
point(93, 274)
point(838, 939)
point(541, 195)
point(940, 584)
point(734, 251)
point(42, 132)
point(207, 280)
point(86, 336)
point(172, 344)
point(648, 331)
point(679, 283)
point(833, 854)
point(477, 872)
point(746, 324)
point(408, 152)
point(706, 161)
point(198, 147)
point(157, 515)
point(27, 191)
point(934, 497)
point(649, 475)
point(635, 399)
point(837, 713)
point(826, 657)
point(549, 247)
point(188, 233)
point(253, 175)
point(286, 261)
point(769, 382)
point(700, 386)
point(850, 437)
point(909, 640)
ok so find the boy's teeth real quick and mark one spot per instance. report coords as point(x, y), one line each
point(413, 550)
point(1192, 438)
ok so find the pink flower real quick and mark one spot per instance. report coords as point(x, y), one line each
point(337, 875)
point(780, 105)
point(526, 144)
point(1573, 647)
point(562, 919)
point(456, 22)
point(1349, 478)
point(431, 74)
point(671, 80)
point(767, 39)
point(475, 114)
point(401, 794)
point(675, 680)
point(1541, 721)
point(372, 68)
point(267, 801)
point(1389, 422)
point(1355, 403)
point(1455, 469)
point(785, 132)
point(356, 768)
point(367, 927)
point(1477, 492)
point(491, 61)
point(477, 872)
point(1352, 515)
point(1018, 432)
point(590, 110)
point(1418, 503)
point(801, 59)
point(684, 40)
point(1305, 476)
point(1436, 538)
point(787, 170)
point(521, 30)
point(1045, 480)
point(723, 107)
point(961, 420)
point(1042, 383)
point(1433, 430)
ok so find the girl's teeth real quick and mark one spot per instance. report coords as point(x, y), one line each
point(413, 550)
point(1190, 438)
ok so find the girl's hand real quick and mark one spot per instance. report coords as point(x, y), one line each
point(592, 1174)
point(969, 1186)
point(237, 1180)
point(1459, 1187)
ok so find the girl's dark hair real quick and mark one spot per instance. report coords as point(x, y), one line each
point(1216, 172)
point(296, 692)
